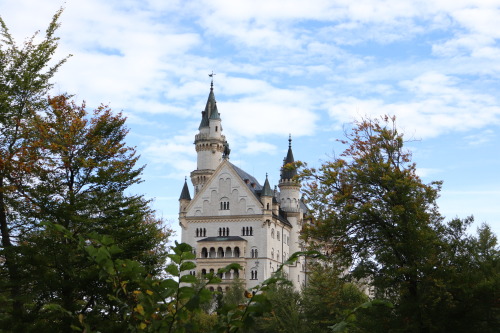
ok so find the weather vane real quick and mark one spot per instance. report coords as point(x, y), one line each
point(212, 76)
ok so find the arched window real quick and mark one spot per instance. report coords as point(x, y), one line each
point(220, 232)
point(204, 232)
point(197, 232)
point(267, 206)
point(236, 252)
point(220, 252)
point(204, 253)
point(256, 254)
point(227, 231)
point(216, 128)
point(243, 231)
point(211, 271)
point(203, 272)
point(251, 231)
point(236, 274)
point(277, 235)
point(229, 252)
point(219, 289)
point(272, 233)
point(212, 252)
point(212, 289)
point(272, 253)
point(224, 203)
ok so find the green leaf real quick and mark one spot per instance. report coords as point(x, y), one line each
point(188, 278)
point(187, 265)
point(172, 269)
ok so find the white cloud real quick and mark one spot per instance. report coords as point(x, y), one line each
point(259, 147)
point(426, 172)
point(438, 105)
point(480, 138)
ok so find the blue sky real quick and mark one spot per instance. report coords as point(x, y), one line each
point(308, 68)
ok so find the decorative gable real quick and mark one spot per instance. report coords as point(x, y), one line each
point(226, 193)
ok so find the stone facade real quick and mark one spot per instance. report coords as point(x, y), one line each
point(232, 218)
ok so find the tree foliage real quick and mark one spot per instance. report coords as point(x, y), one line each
point(377, 217)
point(25, 74)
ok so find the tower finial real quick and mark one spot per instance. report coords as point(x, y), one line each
point(212, 83)
point(289, 140)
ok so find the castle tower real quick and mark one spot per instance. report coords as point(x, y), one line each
point(289, 187)
point(211, 145)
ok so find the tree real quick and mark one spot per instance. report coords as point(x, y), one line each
point(76, 190)
point(380, 219)
point(470, 275)
point(327, 298)
point(286, 314)
point(25, 74)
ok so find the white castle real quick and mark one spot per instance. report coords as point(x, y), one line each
point(234, 219)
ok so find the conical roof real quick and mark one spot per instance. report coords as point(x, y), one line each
point(288, 173)
point(210, 111)
point(185, 192)
point(266, 190)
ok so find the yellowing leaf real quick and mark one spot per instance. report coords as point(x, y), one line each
point(139, 309)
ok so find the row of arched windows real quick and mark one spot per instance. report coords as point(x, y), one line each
point(220, 252)
point(223, 232)
point(224, 205)
point(253, 275)
point(219, 289)
point(232, 274)
point(247, 231)
point(201, 232)
point(254, 253)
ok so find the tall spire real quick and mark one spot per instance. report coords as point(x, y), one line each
point(288, 173)
point(210, 111)
point(211, 144)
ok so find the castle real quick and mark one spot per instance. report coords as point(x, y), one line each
point(233, 219)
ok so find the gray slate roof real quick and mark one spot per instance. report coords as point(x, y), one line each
point(185, 192)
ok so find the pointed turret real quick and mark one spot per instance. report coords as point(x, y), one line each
point(266, 190)
point(287, 172)
point(210, 143)
point(184, 199)
point(289, 187)
point(266, 196)
point(185, 195)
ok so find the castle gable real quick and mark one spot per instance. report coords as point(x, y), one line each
point(229, 191)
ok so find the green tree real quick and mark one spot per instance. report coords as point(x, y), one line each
point(25, 74)
point(470, 275)
point(84, 168)
point(327, 298)
point(286, 314)
point(380, 219)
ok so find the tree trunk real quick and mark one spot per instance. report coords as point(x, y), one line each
point(10, 259)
